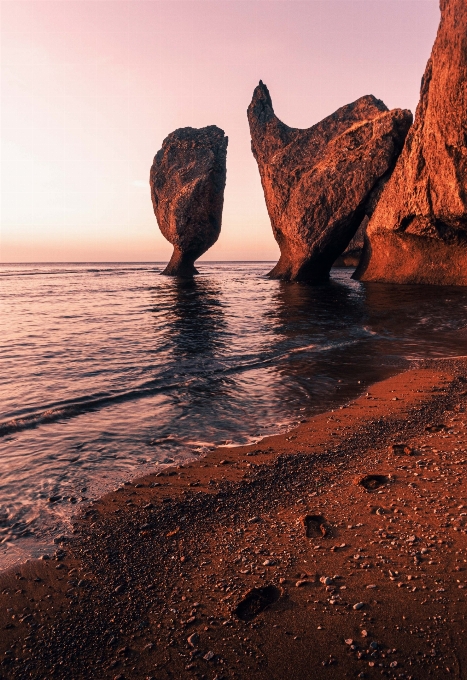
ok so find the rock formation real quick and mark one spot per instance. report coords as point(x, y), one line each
point(418, 232)
point(187, 189)
point(352, 254)
point(319, 183)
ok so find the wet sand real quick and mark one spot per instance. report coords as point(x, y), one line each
point(327, 552)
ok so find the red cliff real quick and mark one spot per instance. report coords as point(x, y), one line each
point(418, 232)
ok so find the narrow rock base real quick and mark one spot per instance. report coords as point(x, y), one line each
point(181, 264)
point(289, 268)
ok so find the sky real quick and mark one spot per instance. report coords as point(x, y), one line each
point(90, 88)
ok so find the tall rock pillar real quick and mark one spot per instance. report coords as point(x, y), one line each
point(187, 182)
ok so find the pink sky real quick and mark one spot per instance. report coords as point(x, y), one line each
point(90, 88)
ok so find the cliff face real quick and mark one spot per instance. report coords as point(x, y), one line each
point(418, 232)
point(187, 189)
point(319, 183)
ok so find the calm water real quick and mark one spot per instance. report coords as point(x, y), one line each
point(110, 370)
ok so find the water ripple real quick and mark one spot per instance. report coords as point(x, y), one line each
point(111, 370)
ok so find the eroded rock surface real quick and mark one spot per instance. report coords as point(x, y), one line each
point(418, 232)
point(187, 189)
point(353, 253)
point(319, 183)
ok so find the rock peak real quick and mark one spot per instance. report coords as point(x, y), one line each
point(319, 183)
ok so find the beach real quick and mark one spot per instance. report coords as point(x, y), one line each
point(254, 465)
point(335, 550)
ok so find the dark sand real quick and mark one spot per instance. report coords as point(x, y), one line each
point(173, 555)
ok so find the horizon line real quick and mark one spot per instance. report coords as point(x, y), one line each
point(161, 262)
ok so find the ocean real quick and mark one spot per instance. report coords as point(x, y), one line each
point(111, 370)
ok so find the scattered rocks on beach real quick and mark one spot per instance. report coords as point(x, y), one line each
point(381, 591)
point(418, 232)
point(321, 183)
point(187, 189)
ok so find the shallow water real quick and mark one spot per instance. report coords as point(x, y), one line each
point(110, 370)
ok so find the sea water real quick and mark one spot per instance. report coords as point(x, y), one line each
point(111, 370)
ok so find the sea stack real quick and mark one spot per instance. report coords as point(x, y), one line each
point(418, 232)
point(187, 189)
point(319, 183)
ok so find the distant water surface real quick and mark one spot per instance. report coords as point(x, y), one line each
point(109, 370)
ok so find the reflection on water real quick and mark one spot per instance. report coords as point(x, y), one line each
point(417, 316)
point(109, 370)
point(195, 324)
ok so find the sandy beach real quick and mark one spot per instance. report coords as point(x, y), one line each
point(337, 550)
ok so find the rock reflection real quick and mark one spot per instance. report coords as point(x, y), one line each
point(194, 333)
point(412, 312)
point(317, 329)
point(314, 311)
point(195, 318)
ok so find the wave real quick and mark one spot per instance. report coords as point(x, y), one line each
point(31, 418)
point(75, 407)
point(76, 270)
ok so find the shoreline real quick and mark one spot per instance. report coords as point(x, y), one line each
point(96, 489)
point(172, 554)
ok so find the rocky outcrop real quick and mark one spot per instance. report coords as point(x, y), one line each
point(320, 183)
point(418, 232)
point(187, 189)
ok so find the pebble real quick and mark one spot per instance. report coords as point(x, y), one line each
point(326, 580)
point(209, 656)
point(268, 563)
point(193, 640)
point(358, 606)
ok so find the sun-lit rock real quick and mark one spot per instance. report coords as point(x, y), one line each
point(418, 232)
point(187, 189)
point(321, 182)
